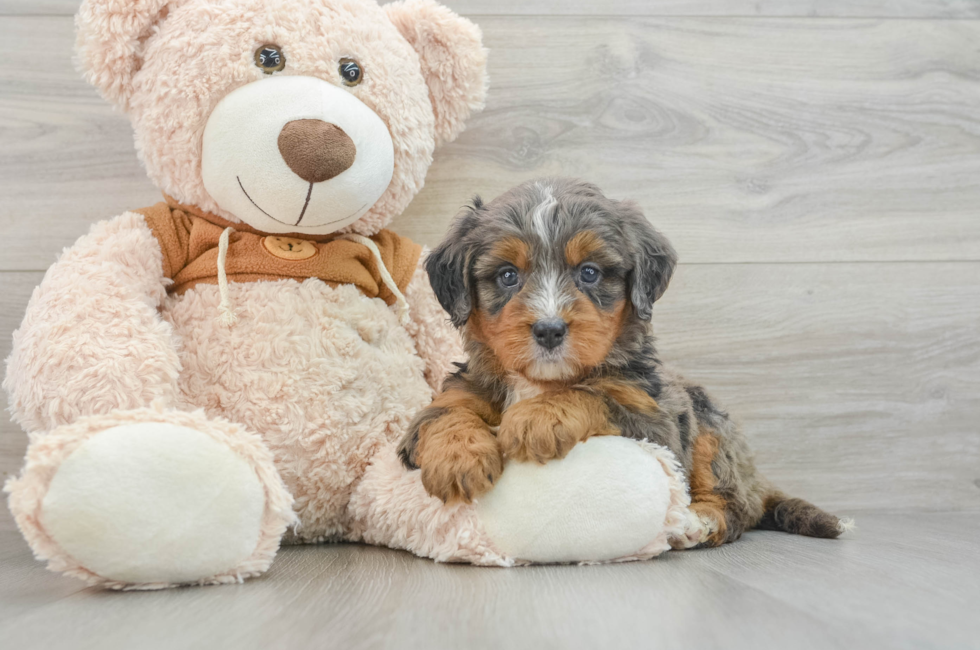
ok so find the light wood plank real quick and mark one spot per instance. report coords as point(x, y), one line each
point(858, 385)
point(744, 140)
point(15, 291)
point(38, 7)
point(866, 590)
point(811, 8)
point(68, 158)
point(859, 584)
point(854, 385)
point(25, 584)
point(726, 8)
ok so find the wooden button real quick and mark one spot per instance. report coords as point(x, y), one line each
point(287, 248)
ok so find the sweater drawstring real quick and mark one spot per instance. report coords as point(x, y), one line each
point(403, 315)
point(227, 316)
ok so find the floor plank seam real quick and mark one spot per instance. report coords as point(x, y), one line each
point(642, 16)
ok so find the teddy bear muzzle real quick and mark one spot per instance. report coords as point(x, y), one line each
point(295, 154)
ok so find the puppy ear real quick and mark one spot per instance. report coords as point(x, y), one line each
point(454, 61)
point(654, 260)
point(448, 266)
point(110, 38)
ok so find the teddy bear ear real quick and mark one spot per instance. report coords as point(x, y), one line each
point(454, 61)
point(110, 39)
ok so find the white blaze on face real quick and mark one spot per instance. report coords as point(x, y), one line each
point(542, 218)
point(245, 173)
point(549, 292)
point(548, 296)
point(545, 298)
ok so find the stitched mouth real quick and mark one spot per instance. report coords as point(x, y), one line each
point(309, 194)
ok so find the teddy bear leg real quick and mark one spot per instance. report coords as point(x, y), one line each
point(610, 499)
point(149, 499)
point(390, 507)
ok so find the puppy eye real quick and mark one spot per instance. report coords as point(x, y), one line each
point(350, 72)
point(508, 277)
point(270, 58)
point(589, 274)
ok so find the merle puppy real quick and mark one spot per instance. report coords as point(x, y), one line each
point(552, 286)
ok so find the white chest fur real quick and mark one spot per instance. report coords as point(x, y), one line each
point(520, 390)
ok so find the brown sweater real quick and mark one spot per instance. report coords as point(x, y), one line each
point(189, 240)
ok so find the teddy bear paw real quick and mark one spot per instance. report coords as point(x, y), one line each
point(151, 504)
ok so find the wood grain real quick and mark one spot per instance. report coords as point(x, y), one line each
point(726, 8)
point(871, 589)
point(68, 159)
point(743, 139)
point(15, 291)
point(852, 384)
point(858, 385)
point(811, 8)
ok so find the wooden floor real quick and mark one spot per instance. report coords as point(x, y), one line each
point(899, 581)
point(816, 164)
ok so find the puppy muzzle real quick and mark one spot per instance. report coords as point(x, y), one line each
point(549, 333)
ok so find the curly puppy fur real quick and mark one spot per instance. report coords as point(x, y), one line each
point(552, 286)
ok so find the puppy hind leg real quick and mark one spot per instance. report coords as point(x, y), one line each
point(701, 527)
point(716, 515)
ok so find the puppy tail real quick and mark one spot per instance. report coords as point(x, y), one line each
point(800, 517)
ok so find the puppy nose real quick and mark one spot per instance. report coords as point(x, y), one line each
point(315, 150)
point(549, 333)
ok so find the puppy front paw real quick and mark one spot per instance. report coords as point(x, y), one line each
point(459, 458)
point(538, 430)
point(463, 475)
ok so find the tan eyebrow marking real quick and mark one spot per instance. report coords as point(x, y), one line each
point(512, 250)
point(580, 246)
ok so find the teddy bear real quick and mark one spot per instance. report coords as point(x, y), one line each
point(233, 367)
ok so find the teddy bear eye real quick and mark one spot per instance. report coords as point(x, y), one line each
point(350, 72)
point(270, 58)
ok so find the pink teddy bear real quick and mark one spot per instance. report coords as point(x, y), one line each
point(234, 366)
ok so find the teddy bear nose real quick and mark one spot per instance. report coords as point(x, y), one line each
point(315, 150)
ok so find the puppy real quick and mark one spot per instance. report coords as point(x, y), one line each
point(552, 286)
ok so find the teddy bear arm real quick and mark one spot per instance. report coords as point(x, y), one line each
point(92, 339)
point(436, 340)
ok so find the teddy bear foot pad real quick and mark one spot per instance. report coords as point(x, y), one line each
point(142, 504)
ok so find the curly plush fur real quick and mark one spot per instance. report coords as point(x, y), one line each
point(311, 381)
point(167, 63)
